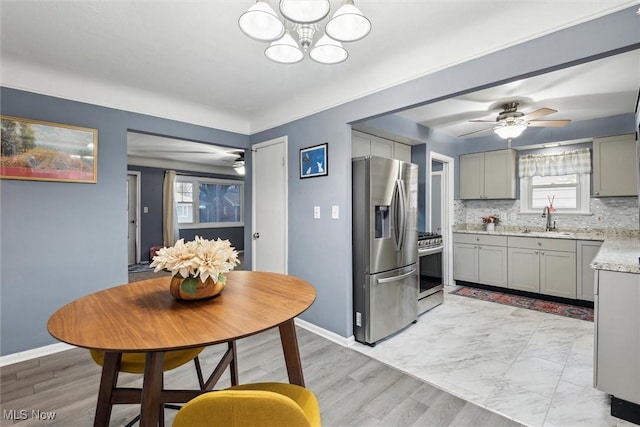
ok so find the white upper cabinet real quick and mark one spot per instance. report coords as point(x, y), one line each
point(489, 175)
point(363, 144)
point(615, 168)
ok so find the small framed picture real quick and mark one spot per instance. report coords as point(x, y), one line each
point(314, 161)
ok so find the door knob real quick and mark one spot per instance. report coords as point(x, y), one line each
point(256, 235)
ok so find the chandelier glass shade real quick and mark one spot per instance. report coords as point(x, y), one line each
point(510, 130)
point(261, 22)
point(305, 11)
point(348, 24)
point(304, 19)
point(284, 50)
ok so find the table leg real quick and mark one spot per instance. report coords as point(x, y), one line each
point(291, 352)
point(108, 381)
point(233, 367)
point(152, 386)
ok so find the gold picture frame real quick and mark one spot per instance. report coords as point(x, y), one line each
point(44, 151)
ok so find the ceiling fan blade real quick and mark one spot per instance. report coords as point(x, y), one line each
point(482, 121)
point(549, 123)
point(538, 113)
point(475, 131)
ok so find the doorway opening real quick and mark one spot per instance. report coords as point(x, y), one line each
point(441, 170)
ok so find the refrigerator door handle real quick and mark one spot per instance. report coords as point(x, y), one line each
point(394, 278)
point(403, 213)
point(395, 203)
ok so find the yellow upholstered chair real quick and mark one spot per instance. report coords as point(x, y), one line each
point(252, 405)
point(133, 363)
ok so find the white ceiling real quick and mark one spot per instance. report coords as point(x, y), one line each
point(602, 88)
point(189, 61)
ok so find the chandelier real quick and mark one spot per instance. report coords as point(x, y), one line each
point(303, 18)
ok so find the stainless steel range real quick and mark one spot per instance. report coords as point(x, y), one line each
point(431, 290)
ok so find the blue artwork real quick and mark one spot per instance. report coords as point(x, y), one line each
point(313, 161)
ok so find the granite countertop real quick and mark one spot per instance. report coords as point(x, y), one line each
point(620, 250)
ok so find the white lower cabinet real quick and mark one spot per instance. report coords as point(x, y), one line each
point(465, 262)
point(480, 258)
point(558, 274)
point(617, 337)
point(541, 265)
point(524, 270)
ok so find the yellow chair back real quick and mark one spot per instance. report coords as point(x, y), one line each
point(252, 405)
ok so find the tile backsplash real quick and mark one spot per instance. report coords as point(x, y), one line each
point(616, 213)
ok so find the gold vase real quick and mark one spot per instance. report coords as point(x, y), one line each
point(208, 289)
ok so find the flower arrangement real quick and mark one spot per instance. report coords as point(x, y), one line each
point(491, 219)
point(199, 258)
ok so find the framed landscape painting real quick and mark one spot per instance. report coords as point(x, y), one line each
point(314, 161)
point(44, 151)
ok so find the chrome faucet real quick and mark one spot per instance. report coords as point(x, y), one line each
point(546, 213)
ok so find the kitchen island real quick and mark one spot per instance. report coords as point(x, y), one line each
point(617, 325)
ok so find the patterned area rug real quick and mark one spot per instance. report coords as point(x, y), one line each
point(567, 310)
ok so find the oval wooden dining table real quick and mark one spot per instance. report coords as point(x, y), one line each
point(143, 317)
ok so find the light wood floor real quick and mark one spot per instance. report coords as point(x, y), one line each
point(352, 389)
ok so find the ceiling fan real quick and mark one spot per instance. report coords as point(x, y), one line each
point(510, 122)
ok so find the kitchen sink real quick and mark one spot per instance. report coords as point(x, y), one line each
point(558, 233)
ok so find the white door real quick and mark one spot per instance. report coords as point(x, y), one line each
point(270, 206)
point(132, 218)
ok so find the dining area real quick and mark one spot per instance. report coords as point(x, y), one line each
point(141, 328)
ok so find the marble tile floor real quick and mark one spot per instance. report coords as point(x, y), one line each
point(535, 368)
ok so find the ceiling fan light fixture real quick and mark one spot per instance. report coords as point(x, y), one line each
point(261, 23)
point(304, 11)
point(239, 168)
point(348, 24)
point(284, 50)
point(510, 131)
point(328, 51)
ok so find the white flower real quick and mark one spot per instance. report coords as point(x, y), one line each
point(198, 258)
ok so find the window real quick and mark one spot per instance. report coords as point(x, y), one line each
point(558, 180)
point(206, 202)
point(184, 201)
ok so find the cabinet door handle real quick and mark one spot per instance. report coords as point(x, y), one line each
point(536, 252)
point(542, 253)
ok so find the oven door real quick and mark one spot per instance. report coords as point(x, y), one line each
point(430, 264)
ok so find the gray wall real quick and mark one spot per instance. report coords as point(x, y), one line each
point(61, 241)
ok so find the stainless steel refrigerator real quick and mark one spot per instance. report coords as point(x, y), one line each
point(385, 272)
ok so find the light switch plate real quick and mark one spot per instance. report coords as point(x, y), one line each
point(335, 212)
point(316, 212)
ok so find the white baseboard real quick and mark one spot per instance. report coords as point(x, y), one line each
point(331, 336)
point(34, 353)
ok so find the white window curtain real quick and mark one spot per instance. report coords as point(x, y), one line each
point(570, 162)
point(170, 230)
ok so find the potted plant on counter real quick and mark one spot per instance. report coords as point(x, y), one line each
point(491, 221)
